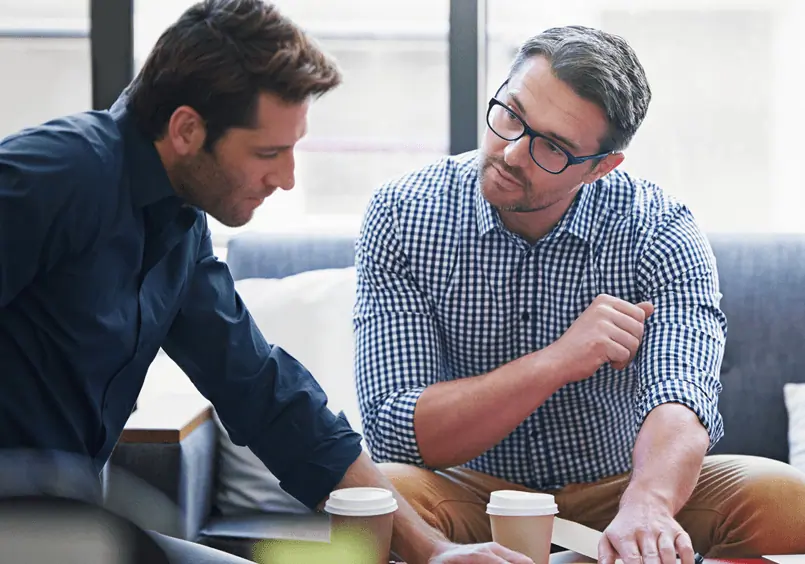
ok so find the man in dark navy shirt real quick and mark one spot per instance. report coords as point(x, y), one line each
point(105, 256)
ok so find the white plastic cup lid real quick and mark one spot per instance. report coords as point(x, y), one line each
point(361, 502)
point(512, 503)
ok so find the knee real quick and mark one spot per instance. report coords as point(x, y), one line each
point(769, 508)
point(773, 490)
point(407, 479)
point(419, 487)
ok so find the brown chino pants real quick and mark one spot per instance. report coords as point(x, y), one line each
point(743, 506)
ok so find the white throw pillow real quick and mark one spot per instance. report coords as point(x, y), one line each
point(795, 405)
point(310, 316)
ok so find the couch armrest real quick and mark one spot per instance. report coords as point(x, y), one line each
point(167, 419)
point(162, 470)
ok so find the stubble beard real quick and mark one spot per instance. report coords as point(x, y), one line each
point(206, 186)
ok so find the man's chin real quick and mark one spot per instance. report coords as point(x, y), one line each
point(231, 220)
point(500, 202)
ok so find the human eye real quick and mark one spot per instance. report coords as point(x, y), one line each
point(554, 148)
point(267, 155)
point(511, 115)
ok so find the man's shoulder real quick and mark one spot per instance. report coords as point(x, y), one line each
point(85, 147)
point(440, 181)
point(424, 209)
point(638, 201)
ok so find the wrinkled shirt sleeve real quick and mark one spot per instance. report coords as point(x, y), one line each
point(398, 347)
point(683, 345)
point(265, 398)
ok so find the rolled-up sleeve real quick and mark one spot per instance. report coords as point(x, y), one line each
point(399, 350)
point(683, 345)
point(265, 398)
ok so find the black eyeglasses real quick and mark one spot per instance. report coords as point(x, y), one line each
point(549, 156)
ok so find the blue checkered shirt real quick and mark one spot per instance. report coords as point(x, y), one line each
point(445, 291)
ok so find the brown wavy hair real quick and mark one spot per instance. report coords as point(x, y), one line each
point(218, 57)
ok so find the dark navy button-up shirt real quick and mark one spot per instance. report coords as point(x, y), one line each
point(101, 264)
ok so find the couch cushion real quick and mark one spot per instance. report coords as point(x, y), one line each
point(310, 316)
point(763, 282)
point(795, 407)
point(271, 255)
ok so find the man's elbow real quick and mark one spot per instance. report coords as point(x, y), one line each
point(386, 446)
point(683, 421)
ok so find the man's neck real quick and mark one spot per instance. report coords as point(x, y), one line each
point(533, 226)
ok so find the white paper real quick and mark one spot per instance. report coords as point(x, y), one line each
point(787, 558)
point(584, 540)
point(576, 537)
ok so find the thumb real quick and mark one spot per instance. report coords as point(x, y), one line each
point(647, 307)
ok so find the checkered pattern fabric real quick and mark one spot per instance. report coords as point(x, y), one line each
point(445, 291)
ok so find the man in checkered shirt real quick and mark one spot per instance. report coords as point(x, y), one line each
point(530, 317)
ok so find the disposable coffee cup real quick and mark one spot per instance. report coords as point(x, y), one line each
point(361, 521)
point(523, 522)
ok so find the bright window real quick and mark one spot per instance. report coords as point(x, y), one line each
point(723, 128)
point(388, 117)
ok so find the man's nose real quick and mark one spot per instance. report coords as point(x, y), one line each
point(285, 178)
point(517, 153)
point(288, 183)
point(289, 180)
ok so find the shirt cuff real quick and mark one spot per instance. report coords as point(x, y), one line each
point(690, 394)
point(312, 480)
point(392, 438)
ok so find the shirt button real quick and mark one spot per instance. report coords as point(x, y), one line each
point(525, 316)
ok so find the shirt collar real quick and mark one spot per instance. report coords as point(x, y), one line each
point(149, 179)
point(486, 217)
point(576, 221)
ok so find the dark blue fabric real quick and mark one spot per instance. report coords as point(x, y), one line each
point(763, 282)
point(100, 265)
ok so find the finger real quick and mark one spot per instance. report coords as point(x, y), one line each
point(486, 558)
point(635, 312)
point(510, 556)
point(647, 307)
point(619, 356)
point(627, 548)
point(625, 339)
point(606, 552)
point(684, 547)
point(627, 323)
point(667, 549)
point(649, 548)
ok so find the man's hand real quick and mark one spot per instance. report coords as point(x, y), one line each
point(645, 532)
point(609, 330)
point(487, 553)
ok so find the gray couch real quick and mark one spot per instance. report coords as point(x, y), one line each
point(763, 282)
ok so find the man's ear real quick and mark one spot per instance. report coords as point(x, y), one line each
point(186, 131)
point(604, 167)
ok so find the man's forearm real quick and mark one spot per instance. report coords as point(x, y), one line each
point(413, 540)
point(668, 457)
point(459, 420)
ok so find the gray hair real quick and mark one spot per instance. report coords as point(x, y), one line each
point(599, 67)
